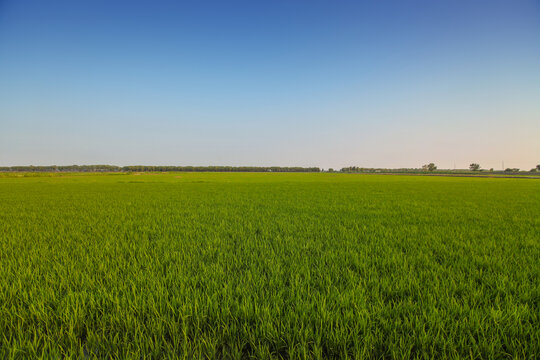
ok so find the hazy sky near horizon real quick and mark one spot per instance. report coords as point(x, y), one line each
point(307, 83)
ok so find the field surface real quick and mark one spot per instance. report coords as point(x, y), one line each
point(216, 265)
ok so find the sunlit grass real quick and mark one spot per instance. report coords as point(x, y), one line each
point(213, 265)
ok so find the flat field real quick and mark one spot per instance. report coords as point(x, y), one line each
point(219, 265)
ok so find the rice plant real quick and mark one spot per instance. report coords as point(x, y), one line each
point(269, 266)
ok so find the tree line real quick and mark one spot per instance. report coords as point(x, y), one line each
point(147, 168)
point(426, 168)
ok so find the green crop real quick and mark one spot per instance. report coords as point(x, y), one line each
point(211, 265)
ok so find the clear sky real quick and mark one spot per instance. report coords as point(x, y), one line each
point(310, 83)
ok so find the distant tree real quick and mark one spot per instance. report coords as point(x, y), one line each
point(538, 167)
point(474, 167)
point(491, 170)
point(330, 170)
point(429, 167)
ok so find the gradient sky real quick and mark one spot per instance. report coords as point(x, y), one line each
point(311, 83)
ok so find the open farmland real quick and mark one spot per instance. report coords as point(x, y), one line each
point(213, 265)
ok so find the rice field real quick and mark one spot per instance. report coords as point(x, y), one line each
point(269, 266)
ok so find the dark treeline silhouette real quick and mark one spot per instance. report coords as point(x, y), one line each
point(146, 168)
point(356, 169)
point(65, 168)
point(220, 168)
point(432, 168)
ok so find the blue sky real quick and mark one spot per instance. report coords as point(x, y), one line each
point(308, 83)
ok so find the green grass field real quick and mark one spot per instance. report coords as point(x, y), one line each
point(215, 265)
